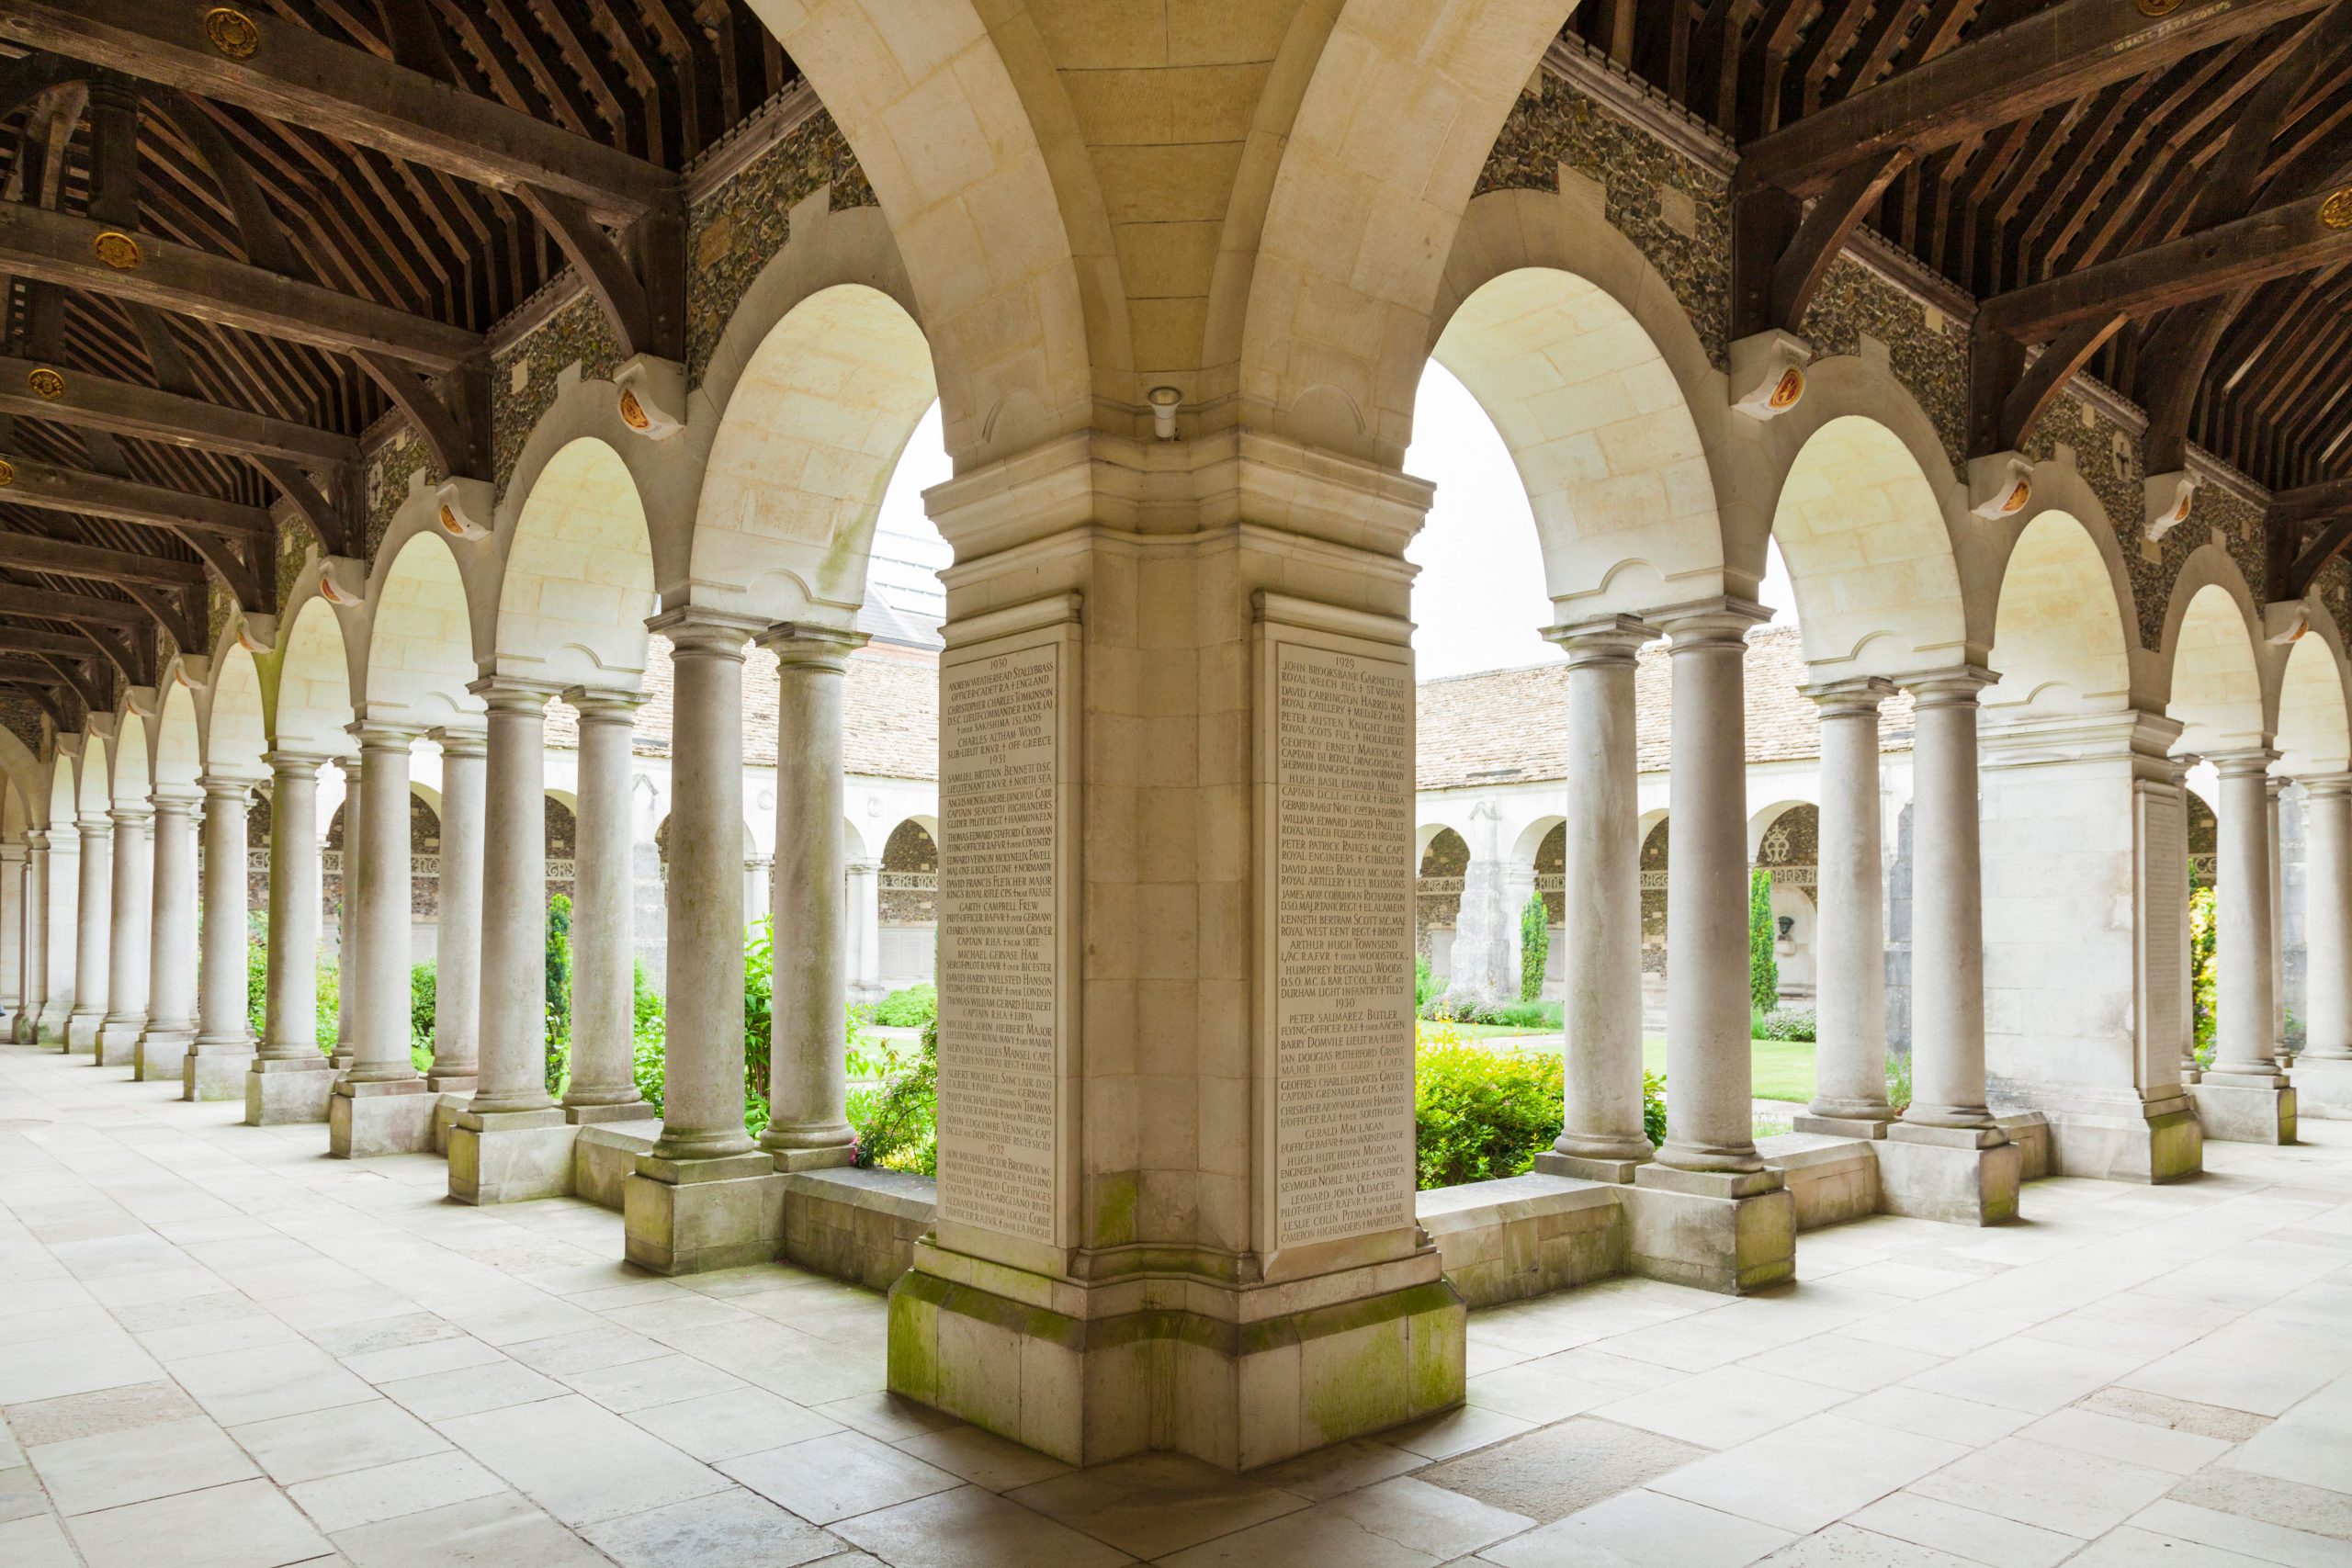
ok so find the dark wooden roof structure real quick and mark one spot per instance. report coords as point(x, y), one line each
point(234, 236)
point(317, 208)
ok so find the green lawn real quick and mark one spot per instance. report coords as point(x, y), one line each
point(1783, 1068)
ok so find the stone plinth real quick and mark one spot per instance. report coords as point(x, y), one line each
point(1960, 1175)
point(393, 1117)
point(1526, 1235)
point(1728, 1231)
point(1832, 1179)
point(2323, 1087)
point(857, 1224)
point(279, 1089)
point(118, 1041)
point(2246, 1108)
point(603, 1156)
point(2116, 1135)
point(688, 1217)
point(210, 1074)
point(510, 1156)
point(161, 1054)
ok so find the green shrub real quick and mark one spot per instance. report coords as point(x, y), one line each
point(647, 1058)
point(896, 1117)
point(1654, 1108)
point(759, 1012)
point(1763, 968)
point(329, 1022)
point(911, 1008)
point(1425, 986)
point(257, 975)
point(1785, 1023)
point(1898, 1081)
point(2203, 971)
point(423, 997)
point(1522, 1015)
point(1481, 1112)
point(1534, 946)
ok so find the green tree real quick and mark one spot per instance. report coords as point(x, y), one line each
point(559, 966)
point(1763, 969)
point(1535, 947)
point(759, 1018)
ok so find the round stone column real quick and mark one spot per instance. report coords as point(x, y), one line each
point(12, 923)
point(1947, 906)
point(349, 937)
point(514, 1044)
point(457, 980)
point(808, 1073)
point(223, 1037)
point(37, 938)
point(380, 906)
point(130, 914)
point(170, 988)
point(2327, 883)
point(1709, 1075)
point(603, 1078)
point(1603, 1135)
point(866, 930)
point(2176, 775)
point(1850, 940)
point(290, 990)
point(91, 931)
point(2274, 788)
point(2244, 1034)
point(702, 1095)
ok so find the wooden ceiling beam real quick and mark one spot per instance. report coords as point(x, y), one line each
point(2275, 242)
point(66, 557)
point(299, 76)
point(28, 673)
point(46, 605)
point(124, 408)
point(61, 249)
point(2312, 502)
point(31, 639)
point(2054, 56)
point(53, 488)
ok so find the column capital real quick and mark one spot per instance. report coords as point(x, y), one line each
point(596, 706)
point(1857, 696)
point(133, 816)
point(1955, 686)
point(460, 742)
point(800, 646)
point(697, 632)
point(37, 840)
point(2251, 761)
point(1708, 623)
point(505, 693)
point(2276, 785)
point(226, 786)
point(13, 852)
point(175, 797)
point(1603, 639)
point(380, 735)
point(91, 822)
point(864, 867)
point(2326, 786)
point(299, 764)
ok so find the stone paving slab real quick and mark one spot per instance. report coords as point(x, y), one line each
point(221, 1349)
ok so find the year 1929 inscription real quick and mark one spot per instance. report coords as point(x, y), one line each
point(997, 858)
point(1343, 946)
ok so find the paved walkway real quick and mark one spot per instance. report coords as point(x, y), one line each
point(219, 1349)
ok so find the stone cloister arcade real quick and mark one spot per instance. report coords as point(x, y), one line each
point(1176, 825)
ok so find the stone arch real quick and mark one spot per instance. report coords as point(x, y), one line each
point(179, 752)
point(2215, 685)
point(1761, 822)
point(130, 782)
point(93, 789)
point(801, 456)
point(2314, 730)
point(1378, 166)
point(1603, 435)
point(2061, 636)
point(1870, 553)
point(577, 583)
point(312, 709)
point(420, 637)
point(971, 149)
point(24, 770)
point(1531, 837)
point(64, 790)
point(234, 726)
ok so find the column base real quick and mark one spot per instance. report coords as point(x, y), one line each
point(2323, 1087)
point(82, 1030)
point(51, 1029)
point(1842, 1126)
point(159, 1056)
point(789, 1160)
point(117, 1043)
point(365, 1120)
point(589, 1115)
point(1585, 1168)
point(215, 1069)
point(1728, 1231)
point(1961, 1175)
point(690, 1216)
point(510, 1156)
point(2114, 1134)
point(2246, 1108)
point(279, 1089)
point(452, 1083)
point(1237, 1394)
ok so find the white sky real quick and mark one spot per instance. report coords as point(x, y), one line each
point(1479, 602)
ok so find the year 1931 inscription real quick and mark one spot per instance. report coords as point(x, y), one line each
point(1344, 1023)
point(997, 855)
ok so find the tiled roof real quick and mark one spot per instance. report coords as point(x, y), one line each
point(1506, 726)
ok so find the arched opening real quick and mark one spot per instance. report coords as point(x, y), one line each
point(236, 733)
point(1869, 560)
point(1437, 888)
point(2058, 643)
point(313, 712)
point(131, 786)
point(2216, 685)
point(908, 903)
point(420, 644)
point(1788, 850)
point(179, 748)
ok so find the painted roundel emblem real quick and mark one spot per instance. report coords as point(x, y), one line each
point(2335, 212)
point(633, 412)
point(116, 248)
point(232, 32)
point(7, 472)
point(2158, 7)
point(46, 382)
point(1789, 389)
point(450, 523)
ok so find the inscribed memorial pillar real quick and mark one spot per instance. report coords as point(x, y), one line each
point(1176, 1149)
point(603, 1082)
point(290, 1079)
point(1850, 941)
point(129, 919)
point(457, 967)
point(171, 989)
point(808, 1083)
point(1602, 1136)
point(215, 1065)
point(92, 932)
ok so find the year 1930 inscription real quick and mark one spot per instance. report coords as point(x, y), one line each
point(1344, 1024)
